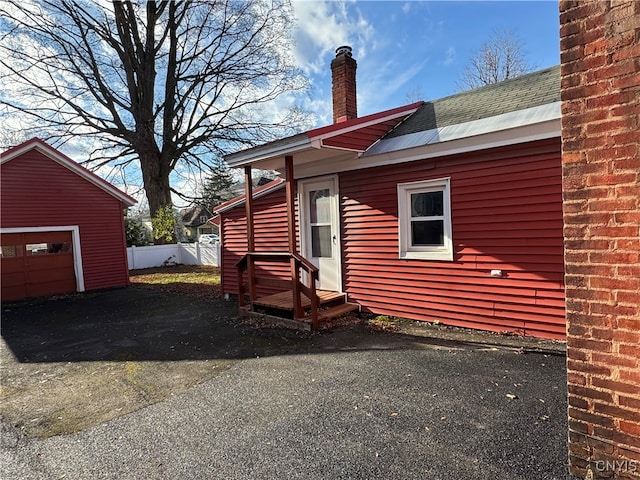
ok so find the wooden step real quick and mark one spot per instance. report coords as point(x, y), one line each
point(284, 300)
point(337, 311)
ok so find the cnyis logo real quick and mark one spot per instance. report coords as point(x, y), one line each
point(630, 466)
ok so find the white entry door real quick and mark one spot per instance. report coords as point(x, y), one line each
point(320, 232)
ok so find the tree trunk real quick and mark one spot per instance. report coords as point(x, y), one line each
point(155, 175)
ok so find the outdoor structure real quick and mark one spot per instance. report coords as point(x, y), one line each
point(600, 52)
point(194, 221)
point(447, 211)
point(62, 227)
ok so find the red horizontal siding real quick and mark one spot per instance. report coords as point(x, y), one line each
point(38, 192)
point(270, 227)
point(506, 215)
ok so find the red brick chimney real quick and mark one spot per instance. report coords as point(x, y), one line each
point(343, 76)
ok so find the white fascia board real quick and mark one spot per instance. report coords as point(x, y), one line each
point(279, 148)
point(319, 143)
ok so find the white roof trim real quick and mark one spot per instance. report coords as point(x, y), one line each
point(505, 121)
point(66, 162)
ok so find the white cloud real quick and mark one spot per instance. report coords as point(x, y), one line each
point(383, 82)
point(323, 26)
point(406, 8)
point(450, 56)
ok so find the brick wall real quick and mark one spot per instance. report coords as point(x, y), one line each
point(600, 53)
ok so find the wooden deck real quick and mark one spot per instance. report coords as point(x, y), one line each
point(284, 300)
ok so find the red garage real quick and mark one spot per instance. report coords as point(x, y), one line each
point(62, 227)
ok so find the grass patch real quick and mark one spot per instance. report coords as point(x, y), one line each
point(385, 323)
point(200, 281)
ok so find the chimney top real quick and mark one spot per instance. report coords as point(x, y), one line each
point(345, 49)
point(343, 78)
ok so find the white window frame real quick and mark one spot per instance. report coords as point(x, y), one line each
point(423, 252)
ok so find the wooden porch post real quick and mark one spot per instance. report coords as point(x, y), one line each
point(291, 230)
point(248, 194)
point(251, 243)
point(291, 203)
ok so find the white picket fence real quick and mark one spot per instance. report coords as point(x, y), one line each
point(179, 253)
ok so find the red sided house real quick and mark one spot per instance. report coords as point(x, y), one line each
point(62, 227)
point(448, 211)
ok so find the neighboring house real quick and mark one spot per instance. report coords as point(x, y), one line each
point(62, 227)
point(447, 211)
point(144, 219)
point(194, 222)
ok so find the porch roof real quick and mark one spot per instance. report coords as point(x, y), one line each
point(351, 137)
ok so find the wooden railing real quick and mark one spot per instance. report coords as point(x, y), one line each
point(295, 284)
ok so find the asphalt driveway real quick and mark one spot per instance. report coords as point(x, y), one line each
point(136, 384)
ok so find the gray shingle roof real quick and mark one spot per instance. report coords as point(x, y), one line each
point(527, 91)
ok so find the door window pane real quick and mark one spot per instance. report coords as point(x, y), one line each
point(321, 241)
point(8, 251)
point(320, 206)
point(48, 248)
point(427, 233)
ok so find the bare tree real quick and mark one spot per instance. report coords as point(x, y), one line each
point(414, 94)
point(168, 84)
point(11, 138)
point(501, 57)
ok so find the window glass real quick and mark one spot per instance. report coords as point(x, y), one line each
point(10, 251)
point(48, 248)
point(427, 204)
point(427, 233)
point(320, 206)
point(321, 241)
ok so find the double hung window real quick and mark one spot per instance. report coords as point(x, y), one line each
point(424, 218)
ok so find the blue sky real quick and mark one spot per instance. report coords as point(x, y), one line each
point(414, 46)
